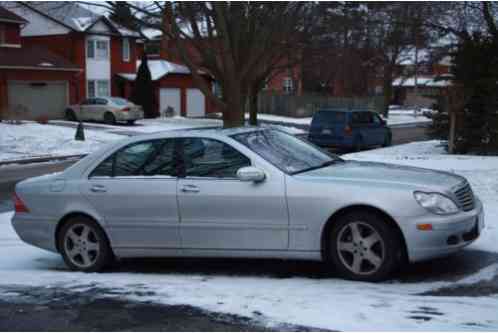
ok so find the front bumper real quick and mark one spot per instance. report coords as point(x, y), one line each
point(450, 233)
point(35, 231)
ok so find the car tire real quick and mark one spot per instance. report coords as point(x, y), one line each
point(358, 144)
point(387, 140)
point(84, 246)
point(70, 115)
point(362, 246)
point(130, 122)
point(109, 118)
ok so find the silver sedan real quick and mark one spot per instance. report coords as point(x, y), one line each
point(249, 192)
point(105, 109)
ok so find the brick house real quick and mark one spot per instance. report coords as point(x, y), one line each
point(100, 47)
point(32, 75)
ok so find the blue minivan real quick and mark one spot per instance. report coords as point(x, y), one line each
point(349, 129)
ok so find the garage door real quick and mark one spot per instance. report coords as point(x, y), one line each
point(169, 97)
point(196, 103)
point(37, 99)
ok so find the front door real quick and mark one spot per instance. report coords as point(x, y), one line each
point(218, 211)
point(135, 191)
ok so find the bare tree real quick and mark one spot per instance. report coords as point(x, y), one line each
point(237, 43)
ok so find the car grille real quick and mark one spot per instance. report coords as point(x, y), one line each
point(465, 197)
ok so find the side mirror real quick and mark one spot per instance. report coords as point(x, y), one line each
point(250, 174)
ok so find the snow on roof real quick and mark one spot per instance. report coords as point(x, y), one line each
point(158, 69)
point(407, 57)
point(151, 33)
point(423, 82)
point(75, 16)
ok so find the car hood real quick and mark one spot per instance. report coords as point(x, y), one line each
point(386, 173)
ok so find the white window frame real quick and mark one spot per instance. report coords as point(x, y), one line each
point(88, 90)
point(96, 92)
point(126, 49)
point(97, 55)
point(288, 85)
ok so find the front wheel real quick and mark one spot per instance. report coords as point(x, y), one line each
point(362, 246)
point(84, 246)
point(387, 140)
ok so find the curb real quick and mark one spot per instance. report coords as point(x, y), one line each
point(43, 159)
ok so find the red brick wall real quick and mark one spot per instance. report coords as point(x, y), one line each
point(71, 47)
point(120, 66)
point(34, 75)
point(12, 33)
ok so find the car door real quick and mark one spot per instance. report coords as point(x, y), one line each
point(379, 128)
point(135, 191)
point(99, 109)
point(82, 113)
point(218, 211)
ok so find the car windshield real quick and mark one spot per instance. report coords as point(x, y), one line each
point(119, 101)
point(288, 153)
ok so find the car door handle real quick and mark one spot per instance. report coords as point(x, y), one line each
point(98, 189)
point(190, 188)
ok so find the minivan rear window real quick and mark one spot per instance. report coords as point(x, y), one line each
point(330, 117)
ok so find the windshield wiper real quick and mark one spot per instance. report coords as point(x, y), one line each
point(323, 165)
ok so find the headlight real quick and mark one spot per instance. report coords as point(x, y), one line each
point(436, 203)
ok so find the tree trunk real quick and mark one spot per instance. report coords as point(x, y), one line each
point(233, 114)
point(253, 108)
point(388, 91)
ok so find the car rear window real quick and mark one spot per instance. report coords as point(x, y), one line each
point(329, 117)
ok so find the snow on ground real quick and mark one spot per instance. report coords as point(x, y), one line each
point(29, 140)
point(328, 303)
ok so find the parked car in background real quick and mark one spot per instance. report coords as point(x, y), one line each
point(249, 192)
point(106, 109)
point(349, 129)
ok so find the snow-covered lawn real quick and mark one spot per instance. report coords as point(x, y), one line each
point(30, 140)
point(318, 302)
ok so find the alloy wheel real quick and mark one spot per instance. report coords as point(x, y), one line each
point(360, 248)
point(81, 245)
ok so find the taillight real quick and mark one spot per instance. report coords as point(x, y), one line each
point(19, 206)
point(348, 130)
point(125, 109)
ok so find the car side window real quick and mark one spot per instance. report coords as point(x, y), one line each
point(151, 158)
point(100, 101)
point(362, 118)
point(376, 119)
point(211, 158)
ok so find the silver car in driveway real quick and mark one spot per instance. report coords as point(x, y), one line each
point(105, 109)
point(248, 192)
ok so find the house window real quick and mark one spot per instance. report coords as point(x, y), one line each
point(98, 88)
point(91, 89)
point(288, 85)
point(126, 49)
point(97, 49)
point(102, 47)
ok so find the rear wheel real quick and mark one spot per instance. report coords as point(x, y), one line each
point(70, 115)
point(362, 246)
point(109, 118)
point(387, 140)
point(84, 246)
point(130, 122)
point(358, 144)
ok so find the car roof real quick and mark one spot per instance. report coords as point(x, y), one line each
point(203, 131)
